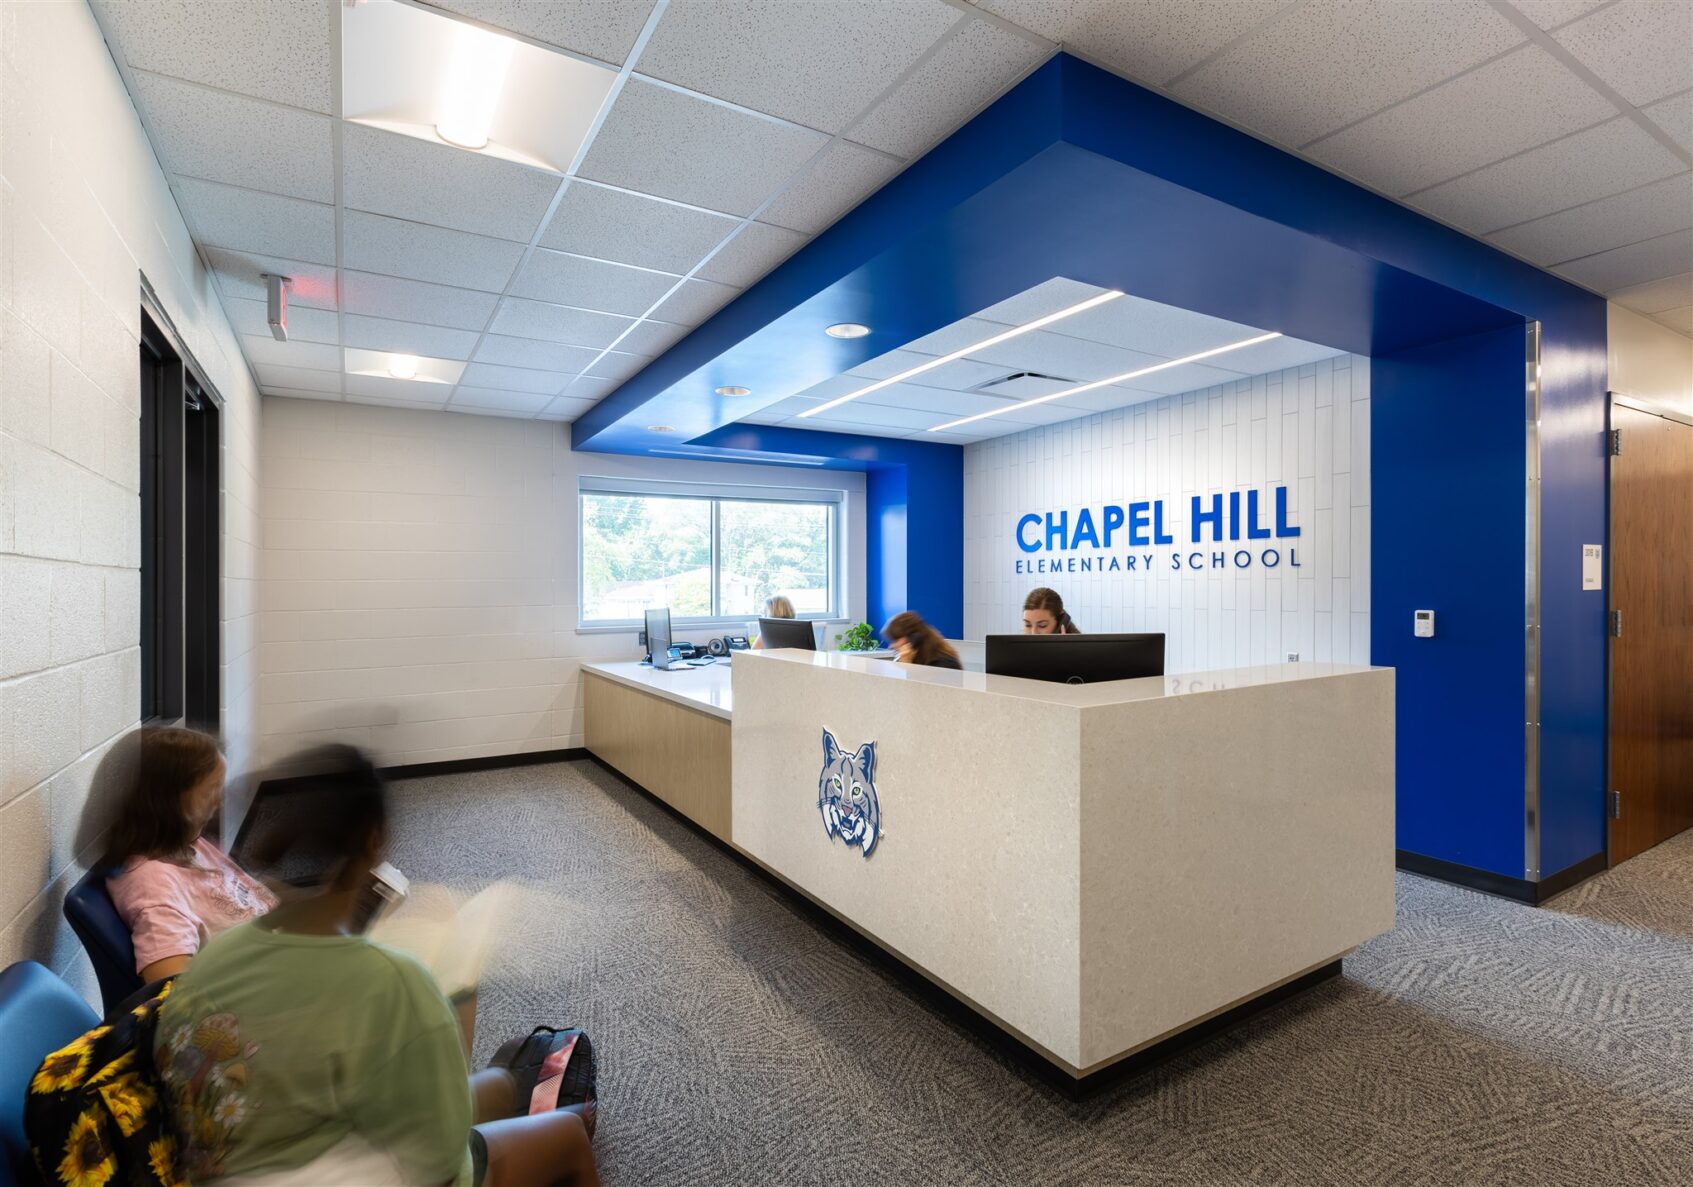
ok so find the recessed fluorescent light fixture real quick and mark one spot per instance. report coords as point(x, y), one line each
point(734, 391)
point(1099, 383)
point(386, 365)
point(1014, 332)
point(423, 73)
point(847, 329)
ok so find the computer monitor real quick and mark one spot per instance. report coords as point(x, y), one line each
point(788, 632)
point(1075, 659)
point(658, 637)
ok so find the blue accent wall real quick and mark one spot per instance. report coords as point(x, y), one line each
point(1078, 173)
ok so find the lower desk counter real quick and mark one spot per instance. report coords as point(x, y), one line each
point(667, 732)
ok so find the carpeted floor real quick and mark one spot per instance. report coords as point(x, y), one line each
point(1482, 1042)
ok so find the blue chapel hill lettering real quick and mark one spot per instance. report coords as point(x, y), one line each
point(1211, 517)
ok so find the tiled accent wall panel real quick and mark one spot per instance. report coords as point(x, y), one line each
point(84, 212)
point(419, 592)
point(1307, 428)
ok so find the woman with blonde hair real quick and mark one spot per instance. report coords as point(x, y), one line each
point(1044, 614)
point(919, 643)
point(777, 606)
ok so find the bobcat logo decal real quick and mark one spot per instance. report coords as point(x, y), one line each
point(846, 794)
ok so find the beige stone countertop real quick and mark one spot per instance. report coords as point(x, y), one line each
point(1079, 696)
point(705, 688)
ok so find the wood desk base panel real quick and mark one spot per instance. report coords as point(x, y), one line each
point(679, 755)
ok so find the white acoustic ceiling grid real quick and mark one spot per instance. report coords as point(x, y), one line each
point(1559, 130)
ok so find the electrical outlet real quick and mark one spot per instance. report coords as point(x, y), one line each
point(1293, 657)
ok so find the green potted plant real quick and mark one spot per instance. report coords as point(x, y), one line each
point(858, 638)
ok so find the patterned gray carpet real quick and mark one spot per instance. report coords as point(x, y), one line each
point(1481, 1042)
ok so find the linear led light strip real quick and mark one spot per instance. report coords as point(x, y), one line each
point(1098, 383)
point(1014, 332)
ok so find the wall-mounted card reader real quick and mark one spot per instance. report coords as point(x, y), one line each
point(1422, 624)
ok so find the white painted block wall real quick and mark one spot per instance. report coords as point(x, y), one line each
point(84, 212)
point(419, 592)
point(1306, 427)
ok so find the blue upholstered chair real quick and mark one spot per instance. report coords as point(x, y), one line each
point(94, 918)
point(38, 1013)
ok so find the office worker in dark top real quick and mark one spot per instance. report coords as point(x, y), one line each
point(919, 643)
point(1044, 614)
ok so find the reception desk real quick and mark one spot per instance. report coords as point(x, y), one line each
point(1096, 869)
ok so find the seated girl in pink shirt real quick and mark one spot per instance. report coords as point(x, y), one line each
point(173, 888)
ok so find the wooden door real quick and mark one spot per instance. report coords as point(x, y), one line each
point(1652, 657)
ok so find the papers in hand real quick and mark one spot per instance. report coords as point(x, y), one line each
point(450, 934)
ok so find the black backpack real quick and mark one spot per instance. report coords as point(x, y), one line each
point(526, 1056)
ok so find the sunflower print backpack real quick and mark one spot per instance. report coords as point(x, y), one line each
point(94, 1113)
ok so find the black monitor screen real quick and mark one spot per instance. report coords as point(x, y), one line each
point(787, 632)
point(658, 636)
point(1076, 659)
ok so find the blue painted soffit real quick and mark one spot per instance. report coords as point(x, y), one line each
point(1073, 173)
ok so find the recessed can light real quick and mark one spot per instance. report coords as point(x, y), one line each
point(734, 391)
point(660, 429)
point(847, 329)
point(403, 366)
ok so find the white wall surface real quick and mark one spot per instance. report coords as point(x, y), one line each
point(84, 212)
point(1649, 360)
point(1307, 428)
point(419, 594)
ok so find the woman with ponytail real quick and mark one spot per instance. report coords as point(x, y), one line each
point(1044, 614)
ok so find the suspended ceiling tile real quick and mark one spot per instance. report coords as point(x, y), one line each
point(616, 365)
point(534, 354)
point(304, 323)
point(941, 404)
point(1278, 354)
point(1617, 221)
point(1064, 358)
point(413, 300)
point(958, 336)
point(602, 29)
point(1549, 14)
point(814, 64)
point(861, 415)
point(1189, 377)
point(585, 388)
point(291, 394)
point(384, 388)
point(240, 274)
point(1151, 42)
point(404, 337)
point(975, 66)
point(695, 301)
point(557, 323)
point(276, 51)
point(954, 376)
point(1324, 64)
point(847, 174)
point(379, 402)
point(407, 178)
point(1624, 267)
point(757, 249)
point(565, 409)
point(652, 338)
point(1675, 116)
point(265, 224)
point(1612, 157)
point(660, 142)
point(590, 284)
point(1655, 296)
point(514, 379)
point(633, 228)
point(226, 137)
point(1642, 48)
point(1046, 298)
point(301, 379)
point(1680, 320)
point(500, 398)
point(417, 251)
point(1151, 327)
point(1529, 97)
point(317, 356)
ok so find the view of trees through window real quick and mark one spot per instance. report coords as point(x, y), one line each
point(645, 551)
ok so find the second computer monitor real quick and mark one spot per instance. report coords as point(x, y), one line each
point(1076, 659)
point(788, 632)
point(658, 637)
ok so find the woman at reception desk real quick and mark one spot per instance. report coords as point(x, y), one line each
point(1102, 870)
point(916, 642)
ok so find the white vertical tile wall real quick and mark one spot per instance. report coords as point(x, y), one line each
point(1307, 428)
point(84, 212)
point(419, 578)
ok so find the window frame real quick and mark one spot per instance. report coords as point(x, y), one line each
point(716, 495)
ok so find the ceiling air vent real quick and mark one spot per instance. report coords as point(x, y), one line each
point(1023, 385)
